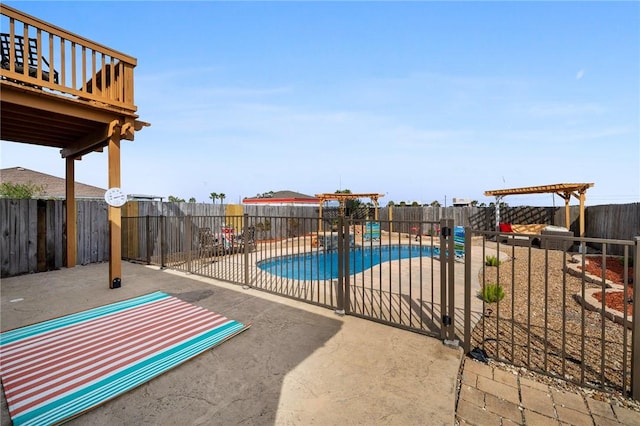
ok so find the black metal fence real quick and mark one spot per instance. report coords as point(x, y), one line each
point(567, 315)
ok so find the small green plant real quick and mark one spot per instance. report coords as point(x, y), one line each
point(492, 261)
point(629, 261)
point(492, 293)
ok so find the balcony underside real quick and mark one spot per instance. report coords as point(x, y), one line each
point(77, 126)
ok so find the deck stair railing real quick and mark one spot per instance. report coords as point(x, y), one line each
point(33, 50)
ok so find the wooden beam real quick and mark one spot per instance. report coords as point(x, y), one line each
point(73, 107)
point(115, 220)
point(567, 213)
point(91, 142)
point(70, 212)
point(559, 187)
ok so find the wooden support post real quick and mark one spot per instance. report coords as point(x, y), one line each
point(375, 203)
point(320, 217)
point(115, 236)
point(582, 198)
point(567, 211)
point(71, 213)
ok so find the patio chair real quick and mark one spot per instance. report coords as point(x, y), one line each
point(209, 244)
point(19, 57)
point(247, 237)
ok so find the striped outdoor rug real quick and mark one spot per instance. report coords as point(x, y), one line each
point(58, 369)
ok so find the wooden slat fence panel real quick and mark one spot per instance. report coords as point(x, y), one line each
point(93, 232)
point(19, 236)
point(617, 221)
point(55, 237)
point(19, 225)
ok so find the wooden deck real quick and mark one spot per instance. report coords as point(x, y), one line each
point(64, 91)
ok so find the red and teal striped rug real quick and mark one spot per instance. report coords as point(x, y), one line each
point(58, 369)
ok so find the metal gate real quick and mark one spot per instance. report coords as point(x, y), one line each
point(399, 273)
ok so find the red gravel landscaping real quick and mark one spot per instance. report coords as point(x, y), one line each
point(614, 273)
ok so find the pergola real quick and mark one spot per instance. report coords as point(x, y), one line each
point(342, 198)
point(564, 190)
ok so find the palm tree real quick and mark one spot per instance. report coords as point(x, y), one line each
point(222, 196)
point(214, 196)
point(192, 199)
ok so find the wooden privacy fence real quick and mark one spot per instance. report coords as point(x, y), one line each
point(33, 237)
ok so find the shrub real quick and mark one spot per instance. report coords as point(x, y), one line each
point(492, 261)
point(20, 190)
point(492, 293)
point(629, 261)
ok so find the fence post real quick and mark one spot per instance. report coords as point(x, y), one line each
point(346, 247)
point(635, 327)
point(340, 289)
point(466, 344)
point(443, 278)
point(163, 242)
point(247, 244)
point(188, 244)
point(148, 233)
point(451, 263)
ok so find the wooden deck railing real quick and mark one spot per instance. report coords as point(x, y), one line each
point(60, 62)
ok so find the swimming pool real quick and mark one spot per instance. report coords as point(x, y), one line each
point(323, 265)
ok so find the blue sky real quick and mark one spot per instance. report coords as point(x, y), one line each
point(416, 100)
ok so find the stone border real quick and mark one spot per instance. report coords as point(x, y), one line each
point(590, 302)
point(573, 268)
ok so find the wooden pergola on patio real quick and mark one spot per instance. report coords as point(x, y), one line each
point(342, 198)
point(564, 190)
point(64, 91)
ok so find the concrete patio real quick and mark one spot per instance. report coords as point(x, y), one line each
point(297, 364)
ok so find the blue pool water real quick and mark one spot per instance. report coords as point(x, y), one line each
point(323, 265)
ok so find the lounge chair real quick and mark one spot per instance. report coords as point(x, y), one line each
point(19, 57)
point(520, 235)
point(458, 242)
point(371, 231)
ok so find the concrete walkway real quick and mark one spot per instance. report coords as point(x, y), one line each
point(489, 396)
point(298, 364)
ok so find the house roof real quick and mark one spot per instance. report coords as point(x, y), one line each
point(53, 186)
point(281, 197)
